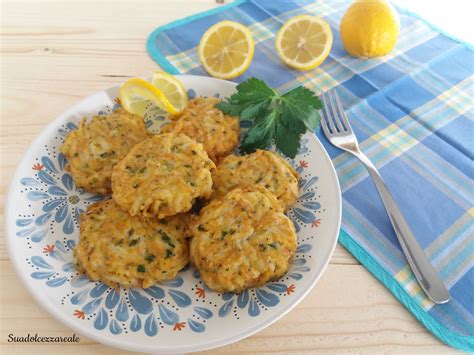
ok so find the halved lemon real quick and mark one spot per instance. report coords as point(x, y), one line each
point(137, 94)
point(226, 49)
point(304, 42)
point(172, 88)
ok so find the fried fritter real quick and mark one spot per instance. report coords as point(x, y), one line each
point(119, 249)
point(200, 120)
point(262, 168)
point(242, 240)
point(97, 146)
point(162, 176)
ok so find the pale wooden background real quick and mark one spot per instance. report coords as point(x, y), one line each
point(54, 53)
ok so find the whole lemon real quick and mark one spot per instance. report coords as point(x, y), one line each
point(369, 28)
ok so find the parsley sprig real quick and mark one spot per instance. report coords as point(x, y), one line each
point(276, 118)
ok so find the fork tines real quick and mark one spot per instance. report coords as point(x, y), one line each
point(334, 118)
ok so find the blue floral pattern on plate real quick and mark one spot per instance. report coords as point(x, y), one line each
point(172, 306)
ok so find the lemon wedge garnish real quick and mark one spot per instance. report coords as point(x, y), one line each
point(137, 94)
point(226, 49)
point(304, 42)
point(172, 88)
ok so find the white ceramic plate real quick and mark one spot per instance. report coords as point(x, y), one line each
point(182, 315)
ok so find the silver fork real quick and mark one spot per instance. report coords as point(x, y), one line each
point(339, 132)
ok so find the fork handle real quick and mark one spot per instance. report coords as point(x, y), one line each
point(421, 266)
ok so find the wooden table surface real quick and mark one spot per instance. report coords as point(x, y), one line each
point(53, 54)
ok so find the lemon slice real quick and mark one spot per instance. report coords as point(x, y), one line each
point(226, 49)
point(172, 88)
point(304, 42)
point(137, 94)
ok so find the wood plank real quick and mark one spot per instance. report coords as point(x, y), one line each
point(338, 315)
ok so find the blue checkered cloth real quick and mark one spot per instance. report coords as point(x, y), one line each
point(412, 111)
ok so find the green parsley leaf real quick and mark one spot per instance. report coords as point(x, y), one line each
point(253, 97)
point(260, 134)
point(276, 118)
point(287, 141)
point(302, 104)
point(253, 90)
point(254, 110)
point(231, 108)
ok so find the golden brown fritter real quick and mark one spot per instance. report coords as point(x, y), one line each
point(119, 249)
point(262, 168)
point(162, 176)
point(242, 240)
point(97, 146)
point(200, 120)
